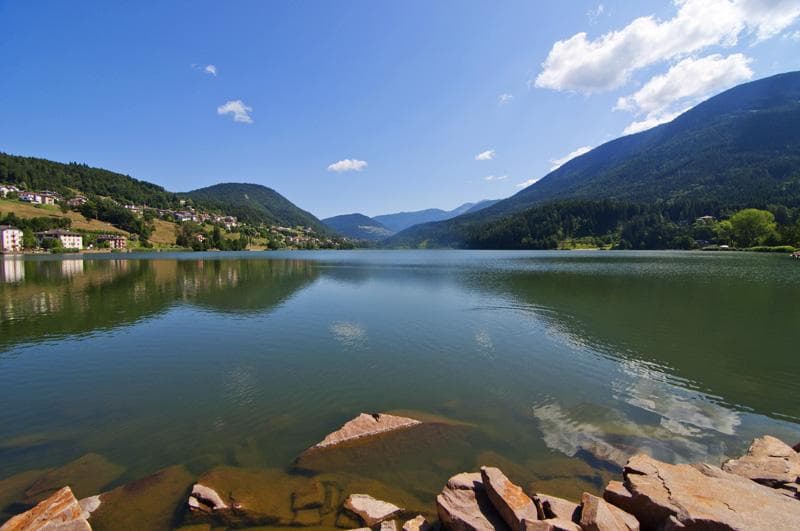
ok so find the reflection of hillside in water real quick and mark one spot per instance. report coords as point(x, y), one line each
point(50, 299)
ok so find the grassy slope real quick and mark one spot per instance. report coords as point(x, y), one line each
point(26, 211)
point(164, 233)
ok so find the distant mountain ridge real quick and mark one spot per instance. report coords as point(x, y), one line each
point(358, 226)
point(254, 203)
point(737, 149)
point(403, 220)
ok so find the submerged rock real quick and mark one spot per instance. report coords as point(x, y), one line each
point(701, 496)
point(768, 461)
point(510, 501)
point(370, 510)
point(87, 476)
point(309, 496)
point(242, 497)
point(388, 525)
point(60, 512)
point(366, 425)
point(149, 503)
point(598, 515)
point(464, 505)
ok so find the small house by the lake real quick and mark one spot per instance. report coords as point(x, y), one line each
point(114, 241)
point(10, 239)
point(68, 239)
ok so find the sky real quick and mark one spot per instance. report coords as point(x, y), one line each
point(370, 106)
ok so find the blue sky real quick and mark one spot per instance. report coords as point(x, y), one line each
point(366, 106)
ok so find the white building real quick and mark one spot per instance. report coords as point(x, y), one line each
point(10, 239)
point(6, 189)
point(69, 240)
point(40, 198)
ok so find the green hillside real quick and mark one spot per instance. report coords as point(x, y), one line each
point(358, 227)
point(736, 150)
point(40, 174)
point(254, 204)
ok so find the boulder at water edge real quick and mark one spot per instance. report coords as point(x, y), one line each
point(60, 512)
point(366, 425)
point(701, 497)
point(509, 499)
point(370, 510)
point(769, 461)
point(464, 505)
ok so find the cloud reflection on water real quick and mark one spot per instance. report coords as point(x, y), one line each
point(350, 334)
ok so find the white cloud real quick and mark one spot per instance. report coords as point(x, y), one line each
point(502, 99)
point(651, 121)
point(485, 155)
point(491, 178)
point(690, 78)
point(557, 163)
point(584, 65)
point(527, 183)
point(240, 111)
point(685, 84)
point(210, 69)
point(348, 165)
point(793, 36)
point(595, 13)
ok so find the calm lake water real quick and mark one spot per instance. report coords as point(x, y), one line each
point(553, 365)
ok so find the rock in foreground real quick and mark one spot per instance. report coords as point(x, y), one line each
point(464, 505)
point(59, 512)
point(418, 523)
point(366, 425)
point(370, 510)
point(509, 499)
point(768, 461)
point(700, 497)
point(598, 515)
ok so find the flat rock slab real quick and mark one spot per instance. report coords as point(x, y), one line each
point(418, 523)
point(366, 425)
point(464, 505)
point(768, 461)
point(553, 507)
point(60, 512)
point(599, 515)
point(508, 498)
point(370, 510)
point(702, 496)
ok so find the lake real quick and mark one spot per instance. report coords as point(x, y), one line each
point(552, 365)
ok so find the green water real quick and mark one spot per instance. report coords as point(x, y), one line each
point(550, 364)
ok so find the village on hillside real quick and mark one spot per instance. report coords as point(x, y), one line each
point(49, 227)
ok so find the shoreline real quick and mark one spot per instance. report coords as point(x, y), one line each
point(759, 490)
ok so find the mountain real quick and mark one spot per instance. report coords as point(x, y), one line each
point(403, 220)
point(254, 203)
point(358, 227)
point(480, 205)
point(740, 148)
point(41, 174)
